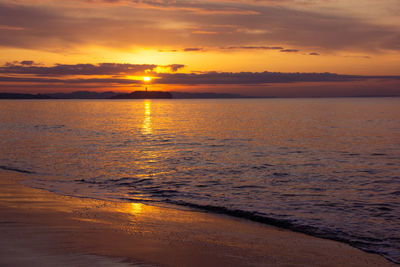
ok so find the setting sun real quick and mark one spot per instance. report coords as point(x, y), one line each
point(146, 79)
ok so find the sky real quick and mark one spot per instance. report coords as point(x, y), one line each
point(284, 48)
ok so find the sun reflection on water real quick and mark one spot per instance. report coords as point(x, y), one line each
point(146, 126)
point(136, 208)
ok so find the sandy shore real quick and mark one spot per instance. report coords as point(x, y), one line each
point(40, 228)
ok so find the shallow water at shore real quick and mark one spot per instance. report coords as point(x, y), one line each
point(328, 167)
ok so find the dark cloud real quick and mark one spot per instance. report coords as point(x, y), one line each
point(56, 27)
point(175, 67)
point(27, 62)
point(314, 54)
point(100, 81)
point(212, 78)
point(26, 67)
point(256, 83)
point(251, 78)
point(289, 50)
point(254, 47)
point(192, 49)
point(248, 47)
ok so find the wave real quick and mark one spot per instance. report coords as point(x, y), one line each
point(154, 195)
point(362, 243)
point(139, 189)
point(7, 168)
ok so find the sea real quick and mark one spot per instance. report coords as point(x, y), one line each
point(325, 167)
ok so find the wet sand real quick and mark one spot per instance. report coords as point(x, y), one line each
point(40, 228)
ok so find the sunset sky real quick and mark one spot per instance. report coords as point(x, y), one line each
point(253, 47)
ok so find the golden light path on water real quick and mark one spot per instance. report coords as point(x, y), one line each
point(146, 126)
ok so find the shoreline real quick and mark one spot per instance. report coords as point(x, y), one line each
point(39, 228)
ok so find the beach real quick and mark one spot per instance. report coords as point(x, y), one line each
point(40, 228)
point(199, 133)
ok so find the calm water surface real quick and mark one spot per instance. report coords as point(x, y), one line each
point(327, 167)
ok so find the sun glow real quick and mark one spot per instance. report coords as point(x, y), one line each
point(147, 79)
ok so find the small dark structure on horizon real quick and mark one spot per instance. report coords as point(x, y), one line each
point(144, 95)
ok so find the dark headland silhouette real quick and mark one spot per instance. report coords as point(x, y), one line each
point(114, 95)
point(145, 95)
point(23, 96)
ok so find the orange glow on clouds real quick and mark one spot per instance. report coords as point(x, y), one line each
point(179, 40)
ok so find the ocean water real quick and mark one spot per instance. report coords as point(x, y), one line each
point(326, 167)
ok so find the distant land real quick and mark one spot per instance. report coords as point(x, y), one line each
point(114, 95)
point(23, 96)
point(144, 95)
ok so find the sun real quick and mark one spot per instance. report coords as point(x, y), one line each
point(146, 79)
